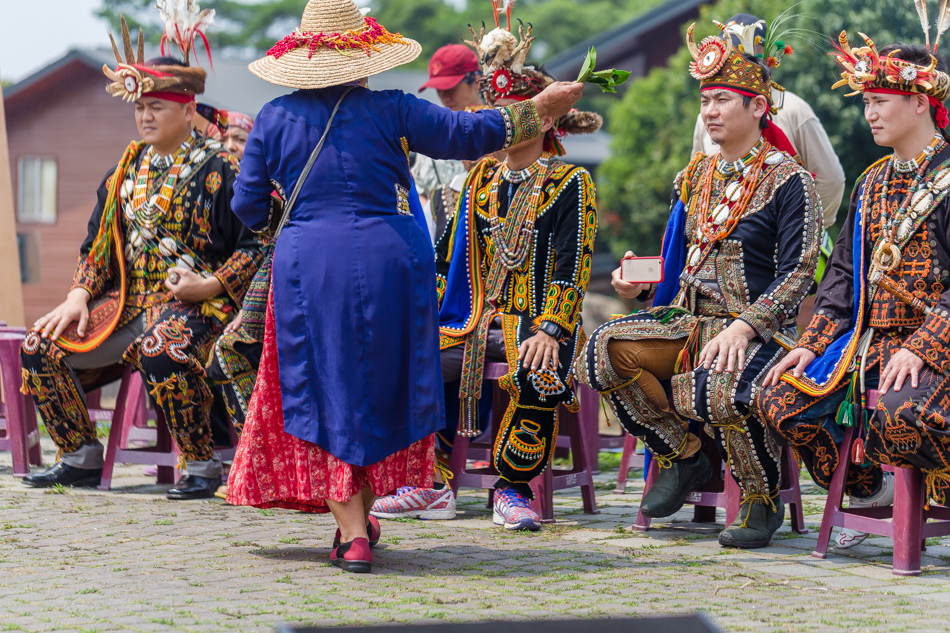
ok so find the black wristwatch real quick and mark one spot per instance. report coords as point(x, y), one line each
point(550, 328)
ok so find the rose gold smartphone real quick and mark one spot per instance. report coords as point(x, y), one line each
point(642, 270)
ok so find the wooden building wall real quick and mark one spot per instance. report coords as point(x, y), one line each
point(67, 115)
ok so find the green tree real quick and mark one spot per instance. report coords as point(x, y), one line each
point(652, 126)
point(255, 26)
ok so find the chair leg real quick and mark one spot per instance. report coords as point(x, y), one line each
point(543, 488)
point(580, 455)
point(629, 447)
point(908, 521)
point(835, 494)
point(733, 496)
point(115, 430)
point(134, 410)
point(15, 407)
point(457, 461)
point(791, 479)
point(164, 443)
point(643, 522)
point(32, 431)
point(588, 419)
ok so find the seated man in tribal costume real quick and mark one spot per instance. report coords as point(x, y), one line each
point(888, 328)
point(740, 252)
point(512, 268)
point(160, 272)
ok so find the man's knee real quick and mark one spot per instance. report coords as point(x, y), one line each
point(451, 359)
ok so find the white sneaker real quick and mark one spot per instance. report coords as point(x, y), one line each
point(416, 503)
point(884, 497)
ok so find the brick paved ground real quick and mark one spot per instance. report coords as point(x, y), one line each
point(85, 560)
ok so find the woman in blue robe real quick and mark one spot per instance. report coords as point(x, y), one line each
point(349, 392)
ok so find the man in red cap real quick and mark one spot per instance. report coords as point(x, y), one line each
point(454, 73)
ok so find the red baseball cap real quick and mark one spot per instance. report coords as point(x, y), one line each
point(449, 66)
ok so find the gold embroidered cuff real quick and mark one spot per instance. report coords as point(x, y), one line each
point(522, 123)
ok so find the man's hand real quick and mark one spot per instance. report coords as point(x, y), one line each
point(539, 351)
point(730, 346)
point(191, 287)
point(557, 99)
point(74, 308)
point(799, 358)
point(235, 322)
point(903, 365)
point(623, 288)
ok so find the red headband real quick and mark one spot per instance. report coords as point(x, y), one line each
point(177, 97)
point(943, 118)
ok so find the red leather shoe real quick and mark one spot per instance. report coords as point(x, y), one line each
point(355, 557)
point(372, 528)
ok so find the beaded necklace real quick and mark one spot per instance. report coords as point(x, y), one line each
point(147, 211)
point(512, 240)
point(716, 223)
point(736, 167)
point(887, 256)
point(906, 167)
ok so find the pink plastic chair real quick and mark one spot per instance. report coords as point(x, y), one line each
point(129, 408)
point(629, 459)
point(571, 433)
point(722, 491)
point(20, 432)
point(905, 522)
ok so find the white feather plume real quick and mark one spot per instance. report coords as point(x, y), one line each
point(921, 6)
point(943, 21)
point(183, 20)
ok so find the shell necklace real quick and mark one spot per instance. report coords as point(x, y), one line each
point(715, 223)
point(887, 256)
point(149, 211)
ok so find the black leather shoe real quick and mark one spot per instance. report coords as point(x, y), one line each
point(65, 475)
point(754, 525)
point(194, 487)
point(668, 493)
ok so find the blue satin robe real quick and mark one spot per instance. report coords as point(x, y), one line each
point(354, 273)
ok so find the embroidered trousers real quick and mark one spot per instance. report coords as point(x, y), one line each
point(233, 366)
point(909, 427)
point(528, 428)
point(634, 370)
point(167, 353)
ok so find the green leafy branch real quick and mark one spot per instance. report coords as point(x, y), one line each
point(607, 80)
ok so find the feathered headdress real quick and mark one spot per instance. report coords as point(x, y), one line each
point(133, 77)
point(717, 63)
point(863, 68)
point(507, 76)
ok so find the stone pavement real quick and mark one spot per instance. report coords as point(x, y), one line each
point(85, 560)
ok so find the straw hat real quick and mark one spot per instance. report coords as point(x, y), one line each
point(334, 45)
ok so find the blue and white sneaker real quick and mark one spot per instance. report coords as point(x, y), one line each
point(514, 511)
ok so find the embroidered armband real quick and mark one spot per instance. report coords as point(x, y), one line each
point(522, 122)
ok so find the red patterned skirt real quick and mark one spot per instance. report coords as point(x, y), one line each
point(273, 469)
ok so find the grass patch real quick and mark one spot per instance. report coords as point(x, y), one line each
point(56, 489)
point(88, 590)
point(285, 579)
point(164, 621)
point(289, 540)
point(164, 522)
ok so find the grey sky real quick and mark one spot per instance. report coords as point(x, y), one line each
point(36, 32)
